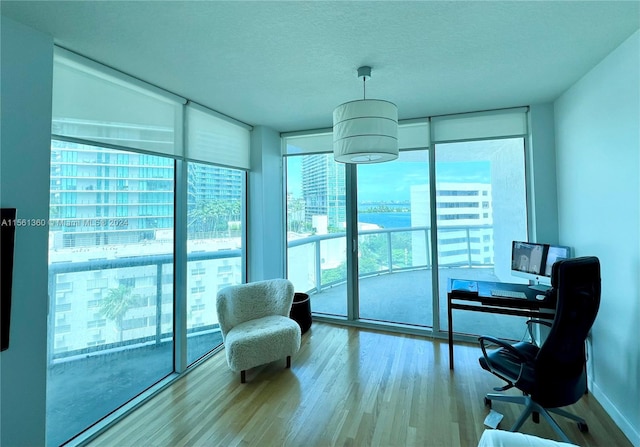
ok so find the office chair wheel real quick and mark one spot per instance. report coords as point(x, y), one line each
point(487, 402)
point(583, 427)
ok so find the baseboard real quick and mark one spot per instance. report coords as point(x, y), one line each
point(617, 417)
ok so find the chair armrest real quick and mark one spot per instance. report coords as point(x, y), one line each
point(503, 344)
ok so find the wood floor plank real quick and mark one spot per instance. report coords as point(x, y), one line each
point(346, 387)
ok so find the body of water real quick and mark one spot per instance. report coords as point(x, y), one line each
point(386, 220)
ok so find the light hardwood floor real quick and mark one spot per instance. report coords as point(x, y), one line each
point(347, 387)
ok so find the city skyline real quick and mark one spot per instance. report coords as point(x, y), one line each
point(391, 181)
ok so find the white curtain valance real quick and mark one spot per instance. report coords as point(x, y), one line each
point(97, 104)
point(422, 133)
point(214, 138)
point(479, 125)
point(412, 134)
point(310, 143)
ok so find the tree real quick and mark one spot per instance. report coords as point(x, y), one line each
point(372, 254)
point(116, 304)
point(295, 214)
point(214, 215)
point(334, 275)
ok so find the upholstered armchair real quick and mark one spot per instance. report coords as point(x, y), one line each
point(255, 324)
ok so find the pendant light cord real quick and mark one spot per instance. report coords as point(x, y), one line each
point(364, 87)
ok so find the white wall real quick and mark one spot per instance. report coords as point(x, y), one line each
point(26, 73)
point(264, 207)
point(541, 175)
point(598, 163)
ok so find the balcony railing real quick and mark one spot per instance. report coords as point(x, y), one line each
point(395, 250)
point(155, 263)
point(418, 250)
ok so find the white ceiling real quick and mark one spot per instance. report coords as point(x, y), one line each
point(287, 65)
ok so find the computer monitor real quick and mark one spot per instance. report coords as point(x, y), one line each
point(528, 260)
point(555, 253)
point(533, 261)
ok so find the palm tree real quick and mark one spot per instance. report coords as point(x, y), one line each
point(214, 215)
point(116, 304)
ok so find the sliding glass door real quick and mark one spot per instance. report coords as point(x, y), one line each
point(393, 230)
point(394, 259)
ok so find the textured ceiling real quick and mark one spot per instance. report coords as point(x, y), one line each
point(287, 65)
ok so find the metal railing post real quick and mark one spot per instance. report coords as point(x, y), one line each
point(158, 302)
point(51, 317)
point(389, 252)
point(318, 266)
point(427, 239)
point(468, 246)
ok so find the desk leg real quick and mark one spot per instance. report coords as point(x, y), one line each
point(450, 328)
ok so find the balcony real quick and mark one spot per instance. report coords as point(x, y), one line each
point(398, 287)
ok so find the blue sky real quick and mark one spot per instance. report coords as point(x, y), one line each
point(392, 181)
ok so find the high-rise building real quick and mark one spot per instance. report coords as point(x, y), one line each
point(323, 189)
point(208, 183)
point(465, 222)
point(111, 238)
point(103, 196)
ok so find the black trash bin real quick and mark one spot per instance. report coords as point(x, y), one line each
point(301, 311)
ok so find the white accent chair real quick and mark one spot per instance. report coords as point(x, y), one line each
point(255, 324)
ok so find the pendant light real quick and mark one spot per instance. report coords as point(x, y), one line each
point(365, 130)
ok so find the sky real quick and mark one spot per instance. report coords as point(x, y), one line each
point(392, 181)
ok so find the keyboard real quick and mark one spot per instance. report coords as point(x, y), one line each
point(508, 293)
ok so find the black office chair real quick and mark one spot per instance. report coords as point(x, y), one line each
point(554, 374)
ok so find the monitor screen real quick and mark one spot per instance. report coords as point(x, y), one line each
point(534, 261)
point(555, 253)
point(528, 258)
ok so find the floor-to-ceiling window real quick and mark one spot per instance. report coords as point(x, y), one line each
point(449, 206)
point(146, 225)
point(391, 224)
point(214, 249)
point(110, 281)
point(316, 238)
point(480, 209)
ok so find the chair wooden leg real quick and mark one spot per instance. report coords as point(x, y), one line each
point(243, 377)
point(288, 361)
